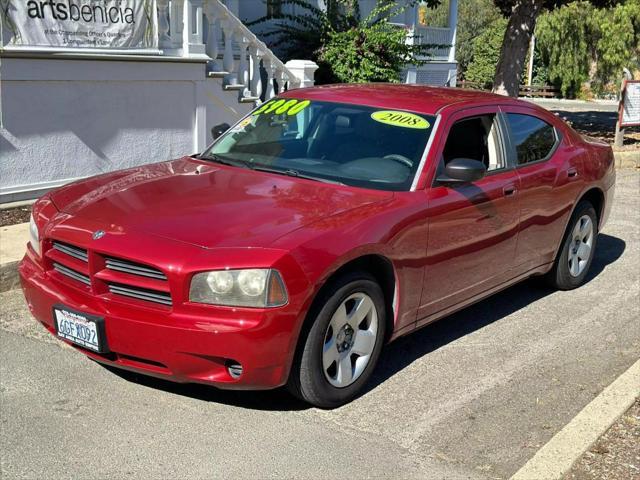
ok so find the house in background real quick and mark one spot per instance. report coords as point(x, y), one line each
point(424, 25)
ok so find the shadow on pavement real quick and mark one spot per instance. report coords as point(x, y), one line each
point(590, 118)
point(403, 352)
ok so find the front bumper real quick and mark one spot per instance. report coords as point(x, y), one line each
point(179, 346)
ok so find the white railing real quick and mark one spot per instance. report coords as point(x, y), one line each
point(208, 29)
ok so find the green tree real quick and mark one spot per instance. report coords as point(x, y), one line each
point(522, 15)
point(580, 43)
point(485, 54)
point(619, 41)
point(566, 38)
point(474, 17)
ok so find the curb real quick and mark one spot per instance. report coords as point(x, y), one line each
point(557, 457)
point(627, 158)
point(9, 278)
point(21, 203)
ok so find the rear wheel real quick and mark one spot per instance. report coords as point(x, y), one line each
point(342, 346)
point(576, 252)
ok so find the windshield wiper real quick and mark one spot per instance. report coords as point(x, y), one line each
point(294, 173)
point(224, 160)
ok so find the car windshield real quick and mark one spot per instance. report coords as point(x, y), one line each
point(334, 142)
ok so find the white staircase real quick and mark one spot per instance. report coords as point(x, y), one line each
point(236, 58)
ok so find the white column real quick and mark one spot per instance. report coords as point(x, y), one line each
point(453, 28)
point(200, 139)
point(281, 80)
point(243, 66)
point(269, 89)
point(228, 62)
point(192, 35)
point(304, 72)
point(176, 26)
point(212, 47)
point(256, 80)
point(164, 41)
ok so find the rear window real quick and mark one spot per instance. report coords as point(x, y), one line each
point(534, 138)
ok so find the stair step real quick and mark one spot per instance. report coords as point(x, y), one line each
point(217, 74)
point(249, 99)
point(235, 86)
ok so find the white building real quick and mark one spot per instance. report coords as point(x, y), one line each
point(79, 101)
point(425, 25)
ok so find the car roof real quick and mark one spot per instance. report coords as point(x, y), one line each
point(417, 98)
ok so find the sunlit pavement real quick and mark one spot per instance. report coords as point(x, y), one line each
point(473, 396)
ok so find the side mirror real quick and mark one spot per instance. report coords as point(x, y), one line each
point(462, 170)
point(219, 130)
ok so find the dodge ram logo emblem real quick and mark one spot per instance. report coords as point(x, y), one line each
point(98, 234)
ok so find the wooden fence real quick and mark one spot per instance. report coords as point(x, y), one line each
point(534, 91)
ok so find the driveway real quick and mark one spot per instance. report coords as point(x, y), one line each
point(472, 396)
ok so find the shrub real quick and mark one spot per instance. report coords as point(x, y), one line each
point(346, 47)
point(367, 53)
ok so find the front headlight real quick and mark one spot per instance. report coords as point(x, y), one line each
point(255, 287)
point(34, 236)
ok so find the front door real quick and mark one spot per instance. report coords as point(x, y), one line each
point(473, 227)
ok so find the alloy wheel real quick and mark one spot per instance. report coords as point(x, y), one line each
point(350, 340)
point(581, 244)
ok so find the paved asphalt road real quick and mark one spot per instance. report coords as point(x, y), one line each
point(473, 396)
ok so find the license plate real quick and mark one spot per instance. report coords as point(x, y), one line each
point(80, 328)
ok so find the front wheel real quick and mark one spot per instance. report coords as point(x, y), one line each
point(576, 252)
point(343, 344)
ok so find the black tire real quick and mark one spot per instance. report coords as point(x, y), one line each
point(560, 276)
point(307, 380)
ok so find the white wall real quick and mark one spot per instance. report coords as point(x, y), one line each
point(63, 119)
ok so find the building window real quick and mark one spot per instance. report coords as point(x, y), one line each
point(274, 8)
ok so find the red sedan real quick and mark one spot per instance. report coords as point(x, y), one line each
point(329, 221)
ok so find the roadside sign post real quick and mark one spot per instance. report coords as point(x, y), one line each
point(628, 109)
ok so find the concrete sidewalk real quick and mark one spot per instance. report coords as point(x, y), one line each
point(627, 158)
point(13, 244)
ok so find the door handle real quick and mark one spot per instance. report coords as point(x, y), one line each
point(509, 190)
point(572, 173)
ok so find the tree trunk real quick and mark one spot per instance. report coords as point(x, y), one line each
point(515, 45)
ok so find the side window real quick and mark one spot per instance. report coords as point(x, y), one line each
point(533, 138)
point(476, 138)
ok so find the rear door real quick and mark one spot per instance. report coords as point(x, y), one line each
point(549, 175)
point(472, 227)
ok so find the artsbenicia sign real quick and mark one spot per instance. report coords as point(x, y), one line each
point(122, 25)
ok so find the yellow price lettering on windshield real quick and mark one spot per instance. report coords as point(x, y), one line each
point(280, 106)
point(400, 119)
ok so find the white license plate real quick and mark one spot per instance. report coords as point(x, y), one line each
point(80, 328)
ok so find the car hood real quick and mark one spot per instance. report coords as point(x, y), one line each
point(207, 204)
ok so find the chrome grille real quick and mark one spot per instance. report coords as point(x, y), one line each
point(141, 293)
point(72, 273)
point(118, 276)
point(133, 268)
point(72, 251)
